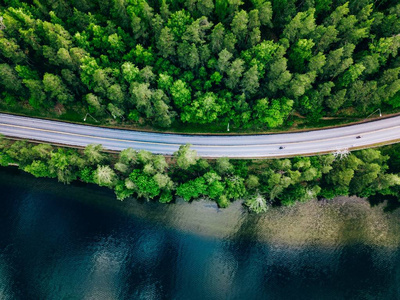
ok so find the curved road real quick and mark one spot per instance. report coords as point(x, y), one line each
point(246, 146)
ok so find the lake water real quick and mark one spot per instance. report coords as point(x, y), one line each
point(77, 242)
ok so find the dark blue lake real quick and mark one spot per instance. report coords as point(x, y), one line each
point(78, 242)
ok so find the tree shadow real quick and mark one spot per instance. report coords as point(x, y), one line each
point(392, 202)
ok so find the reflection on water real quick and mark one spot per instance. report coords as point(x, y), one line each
point(78, 242)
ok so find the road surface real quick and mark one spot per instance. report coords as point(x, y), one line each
point(240, 146)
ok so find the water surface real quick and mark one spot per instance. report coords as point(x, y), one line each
point(78, 242)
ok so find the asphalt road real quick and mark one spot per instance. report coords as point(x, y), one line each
point(249, 146)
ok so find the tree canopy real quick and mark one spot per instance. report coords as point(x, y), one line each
point(145, 175)
point(202, 62)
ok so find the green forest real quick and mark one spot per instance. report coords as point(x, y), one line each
point(170, 62)
point(260, 183)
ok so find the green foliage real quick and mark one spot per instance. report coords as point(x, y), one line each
point(134, 115)
point(185, 157)
point(203, 56)
point(86, 175)
point(257, 203)
point(239, 25)
point(105, 176)
point(272, 114)
point(217, 38)
point(250, 82)
point(300, 26)
point(215, 187)
point(301, 53)
point(9, 78)
point(166, 43)
point(235, 188)
point(223, 201)
point(180, 94)
point(178, 23)
point(192, 189)
point(165, 63)
point(166, 197)
point(93, 154)
point(144, 185)
point(5, 159)
point(39, 169)
point(121, 191)
point(204, 109)
point(281, 181)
